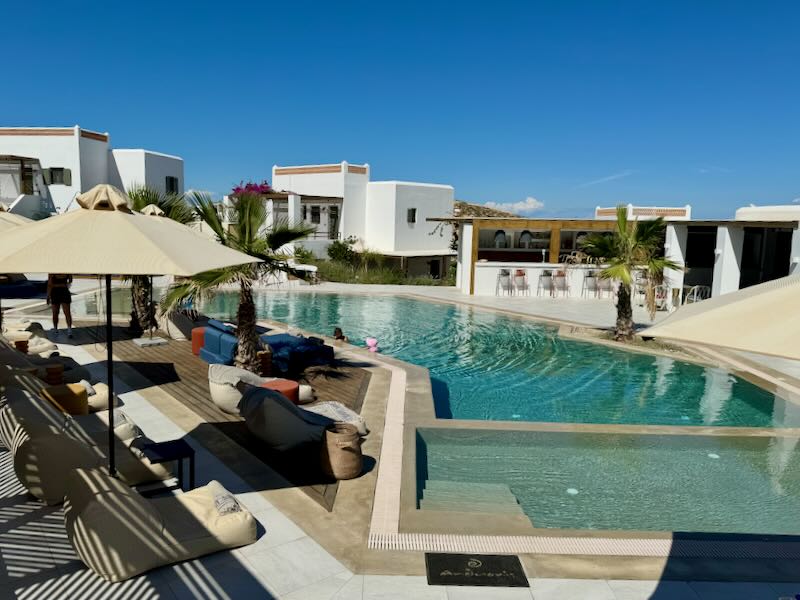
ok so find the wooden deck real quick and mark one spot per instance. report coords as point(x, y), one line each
point(184, 376)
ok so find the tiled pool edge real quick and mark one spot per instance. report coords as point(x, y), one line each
point(393, 496)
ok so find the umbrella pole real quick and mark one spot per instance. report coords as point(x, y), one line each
point(151, 307)
point(110, 374)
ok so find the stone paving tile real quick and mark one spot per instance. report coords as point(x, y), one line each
point(294, 565)
point(714, 590)
point(789, 590)
point(571, 589)
point(326, 589)
point(352, 590)
point(657, 590)
point(278, 530)
point(192, 580)
point(381, 587)
point(488, 593)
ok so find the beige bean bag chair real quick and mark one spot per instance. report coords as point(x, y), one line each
point(10, 356)
point(223, 381)
point(48, 444)
point(119, 534)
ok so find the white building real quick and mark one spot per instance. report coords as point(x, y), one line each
point(42, 169)
point(388, 217)
point(719, 256)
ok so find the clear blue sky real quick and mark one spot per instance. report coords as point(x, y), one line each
point(572, 103)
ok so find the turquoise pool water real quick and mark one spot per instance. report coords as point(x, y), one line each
point(630, 482)
point(487, 366)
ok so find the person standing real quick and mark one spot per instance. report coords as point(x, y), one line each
point(60, 298)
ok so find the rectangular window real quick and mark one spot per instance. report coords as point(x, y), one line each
point(304, 211)
point(171, 185)
point(57, 176)
point(411, 216)
point(315, 214)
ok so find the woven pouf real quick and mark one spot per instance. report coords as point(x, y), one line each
point(340, 456)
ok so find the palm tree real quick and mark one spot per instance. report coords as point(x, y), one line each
point(632, 246)
point(246, 234)
point(176, 208)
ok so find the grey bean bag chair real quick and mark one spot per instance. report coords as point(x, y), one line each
point(224, 379)
point(276, 421)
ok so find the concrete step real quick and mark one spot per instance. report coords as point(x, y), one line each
point(463, 489)
point(463, 496)
point(471, 506)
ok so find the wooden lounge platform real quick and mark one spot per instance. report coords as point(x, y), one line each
point(184, 376)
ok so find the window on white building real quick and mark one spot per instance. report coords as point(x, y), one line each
point(304, 212)
point(315, 214)
point(171, 184)
point(411, 216)
point(57, 176)
point(500, 239)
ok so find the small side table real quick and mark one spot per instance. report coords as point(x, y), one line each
point(161, 452)
point(287, 387)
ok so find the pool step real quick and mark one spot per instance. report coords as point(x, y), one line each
point(462, 496)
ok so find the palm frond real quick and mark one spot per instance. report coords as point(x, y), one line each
point(206, 210)
point(622, 220)
point(282, 234)
point(618, 270)
point(599, 245)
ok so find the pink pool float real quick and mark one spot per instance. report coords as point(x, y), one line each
point(372, 344)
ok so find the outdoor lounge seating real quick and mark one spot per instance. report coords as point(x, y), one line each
point(219, 343)
point(9, 355)
point(224, 379)
point(293, 353)
point(47, 443)
point(119, 534)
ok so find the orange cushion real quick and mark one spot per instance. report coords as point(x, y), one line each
point(198, 339)
point(71, 398)
point(287, 387)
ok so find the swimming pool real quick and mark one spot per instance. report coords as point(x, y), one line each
point(487, 366)
point(748, 485)
point(493, 367)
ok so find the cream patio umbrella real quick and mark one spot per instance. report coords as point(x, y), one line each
point(105, 237)
point(764, 319)
point(9, 220)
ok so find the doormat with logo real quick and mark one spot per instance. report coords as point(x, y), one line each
point(499, 570)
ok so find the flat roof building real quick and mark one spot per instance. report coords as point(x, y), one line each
point(45, 168)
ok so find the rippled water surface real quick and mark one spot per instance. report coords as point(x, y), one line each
point(494, 367)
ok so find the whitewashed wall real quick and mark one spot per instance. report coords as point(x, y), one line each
point(94, 163)
point(380, 216)
point(62, 151)
point(129, 168)
point(430, 201)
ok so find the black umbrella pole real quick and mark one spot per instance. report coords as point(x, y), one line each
point(110, 374)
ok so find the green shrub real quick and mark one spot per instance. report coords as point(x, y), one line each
point(304, 255)
point(342, 251)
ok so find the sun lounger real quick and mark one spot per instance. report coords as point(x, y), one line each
point(9, 355)
point(47, 444)
point(119, 534)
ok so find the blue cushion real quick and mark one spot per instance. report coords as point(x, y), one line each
point(219, 347)
point(282, 340)
point(220, 326)
point(214, 358)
